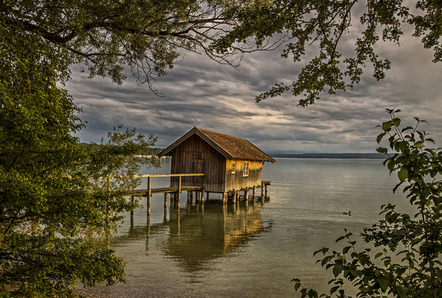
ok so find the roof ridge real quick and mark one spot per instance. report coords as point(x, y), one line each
point(219, 133)
point(229, 146)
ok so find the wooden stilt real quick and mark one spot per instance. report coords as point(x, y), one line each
point(202, 196)
point(254, 194)
point(189, 197)
point(149, 194)
point(132, 201)
point(179, 189)
point(246, 196)
point(265, 196)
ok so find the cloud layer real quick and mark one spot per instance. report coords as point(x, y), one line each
point(199, 92)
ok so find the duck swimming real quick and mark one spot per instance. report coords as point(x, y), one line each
point(347, 213)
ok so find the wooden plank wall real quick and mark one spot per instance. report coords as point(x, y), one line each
point(237, 180)
point(195, 156)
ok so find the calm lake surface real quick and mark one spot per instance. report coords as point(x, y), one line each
point(255, 250)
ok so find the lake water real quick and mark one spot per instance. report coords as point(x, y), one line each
point(255, 250)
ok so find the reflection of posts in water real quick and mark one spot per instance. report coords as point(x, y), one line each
point(148, 235)
point(228, 231)
point(165, 206)
point(179, 221)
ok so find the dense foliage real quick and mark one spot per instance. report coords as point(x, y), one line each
point(52, 210)
point(55, 207)
point(407, 261)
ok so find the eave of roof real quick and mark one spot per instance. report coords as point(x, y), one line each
point(228, 146)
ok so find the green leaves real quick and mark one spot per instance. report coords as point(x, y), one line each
point(386, 126)
point(322, 25)
point(53, 215)
point(402, 174)
point(414, 271)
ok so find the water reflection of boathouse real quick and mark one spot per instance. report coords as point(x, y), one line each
point(199, 233)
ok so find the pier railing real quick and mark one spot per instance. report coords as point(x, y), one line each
point(150, 190)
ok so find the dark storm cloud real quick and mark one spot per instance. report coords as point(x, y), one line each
point(199, 92)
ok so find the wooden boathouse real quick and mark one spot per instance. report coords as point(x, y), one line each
point(229, 164)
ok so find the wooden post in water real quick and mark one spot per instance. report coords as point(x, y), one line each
point(254, 194)
point(179, 190)
point(149, 193)
point(132, 201)
point(165, 206)
point(202, 196)
point(246, 195)
point(189, 197)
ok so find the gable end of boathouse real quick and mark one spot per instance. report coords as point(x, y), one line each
point(229, 163)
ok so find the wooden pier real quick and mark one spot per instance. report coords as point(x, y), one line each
point(199, 189)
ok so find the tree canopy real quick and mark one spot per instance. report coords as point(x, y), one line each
point(149, 36)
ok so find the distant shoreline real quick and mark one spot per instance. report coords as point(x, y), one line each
point(331, 155)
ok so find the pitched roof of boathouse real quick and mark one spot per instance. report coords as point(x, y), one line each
point(228, 146)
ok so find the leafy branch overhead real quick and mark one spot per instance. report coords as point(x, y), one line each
point(324, 27)
point(107, 36)
point(149, 36)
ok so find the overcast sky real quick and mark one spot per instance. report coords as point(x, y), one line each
point(199, 92)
